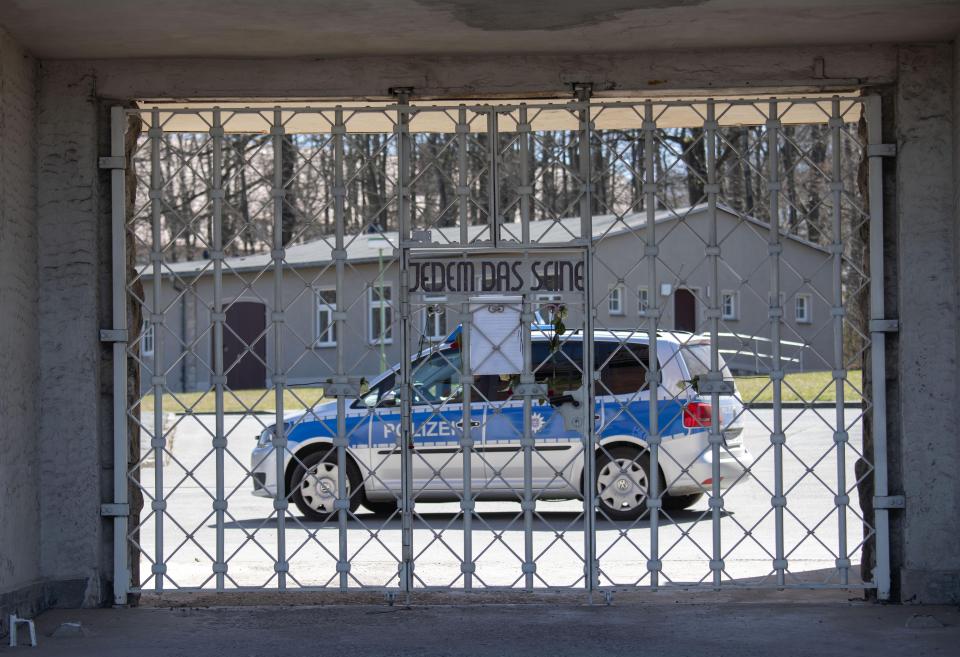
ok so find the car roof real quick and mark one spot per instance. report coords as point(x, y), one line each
point(639, 336)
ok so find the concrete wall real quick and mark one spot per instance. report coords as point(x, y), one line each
point(70, 239)
point(19, 410)
point(73, 267)
point(929, 449)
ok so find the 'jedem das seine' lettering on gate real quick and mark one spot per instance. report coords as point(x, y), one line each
point(497, 276)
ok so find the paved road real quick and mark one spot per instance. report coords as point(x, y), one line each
point(747, 527)
point(771, 625)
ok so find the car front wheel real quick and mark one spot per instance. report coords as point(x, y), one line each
point(315, 485)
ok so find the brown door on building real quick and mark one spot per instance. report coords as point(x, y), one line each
point(244, 345)
point(684, 310)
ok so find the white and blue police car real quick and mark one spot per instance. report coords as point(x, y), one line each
point(622, 414)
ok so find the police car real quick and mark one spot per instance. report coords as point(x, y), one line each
point(373, 476)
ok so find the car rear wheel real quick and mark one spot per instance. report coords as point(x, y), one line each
point(623, 482)
point(315, 485)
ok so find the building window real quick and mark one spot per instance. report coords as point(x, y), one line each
point(380, 313)
point(435, 317)
point(146, 342)
point(729, 305)
point(326, 328)
point(643, 294)
point(615, 300)
point(804, 312)
point(546, 303)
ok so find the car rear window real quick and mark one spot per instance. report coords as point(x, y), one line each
point(697, 358)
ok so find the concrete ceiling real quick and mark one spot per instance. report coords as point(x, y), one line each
point(325, 28)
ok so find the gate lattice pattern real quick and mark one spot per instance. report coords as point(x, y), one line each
point(309, 249)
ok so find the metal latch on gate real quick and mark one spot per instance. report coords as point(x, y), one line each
point(538, 390)
point(114, 510)
point(113, 335)
point(890, 502)
point(570, 411)
point(708, 384)
point(884, 325)
point(708, 387)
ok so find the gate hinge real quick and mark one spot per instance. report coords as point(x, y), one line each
point(884, 325)
point(882, 150)
point(113, 162)
point(890, 502)
point(113, 335)
point(402, 94)
point(582, 90)
point(114, 510)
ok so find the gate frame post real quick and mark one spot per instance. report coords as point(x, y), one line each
point(583, 91)
point(118, 213)
point(406, 416)
point(881, 573)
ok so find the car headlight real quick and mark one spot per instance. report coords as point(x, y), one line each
point(266, 437)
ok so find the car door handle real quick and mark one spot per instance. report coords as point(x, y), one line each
point(473, 423)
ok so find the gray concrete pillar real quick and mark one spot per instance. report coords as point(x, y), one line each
point(20, 589)
point(75, 549)
point(926, 533)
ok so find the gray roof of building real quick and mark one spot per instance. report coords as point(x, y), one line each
point(367, 247)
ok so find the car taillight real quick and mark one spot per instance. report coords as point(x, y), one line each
point(696, 415)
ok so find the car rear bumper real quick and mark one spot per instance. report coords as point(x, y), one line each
point(687, 463)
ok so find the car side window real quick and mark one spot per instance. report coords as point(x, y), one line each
point(561, 370)
point(623, 367)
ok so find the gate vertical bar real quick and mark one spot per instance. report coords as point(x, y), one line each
point(463, 179)
point(276, 319)
point(493, 143)
point(649, 128)
point(467, 566)
point(155, 133)
point(839, 372)
point(589, 406)
point(775, 248)
point(525, 190)
point(341, 441)
point(528, 504)
point(878, 375)
point(118, 220)
point(406, 418)
point(716, 376)
point(527, 380)
point(219, 438)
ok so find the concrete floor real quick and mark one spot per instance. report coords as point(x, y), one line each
point(660, 624)
point(374, 544)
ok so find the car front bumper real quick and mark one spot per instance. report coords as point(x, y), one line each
point(263, 471)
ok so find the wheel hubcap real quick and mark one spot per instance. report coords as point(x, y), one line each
point(622, 484)
point(318, 488)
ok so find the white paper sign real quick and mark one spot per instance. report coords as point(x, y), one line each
point(495, 338)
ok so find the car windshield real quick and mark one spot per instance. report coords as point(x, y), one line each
point(436, 378)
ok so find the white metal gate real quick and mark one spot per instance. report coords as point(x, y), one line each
point(311, 248)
